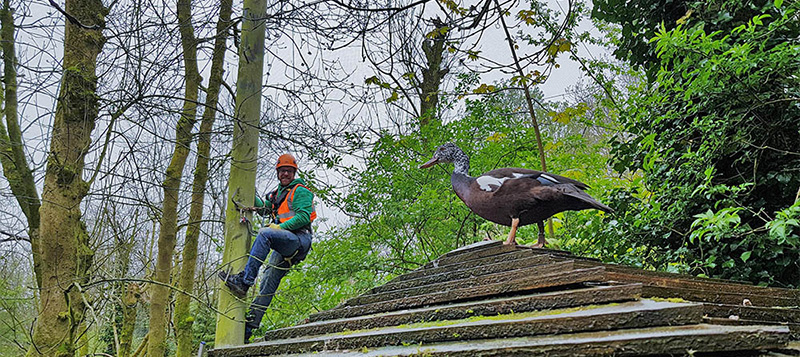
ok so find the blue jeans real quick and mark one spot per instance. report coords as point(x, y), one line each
point(284, 244)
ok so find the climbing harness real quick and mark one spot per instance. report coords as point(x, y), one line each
point(243, 217)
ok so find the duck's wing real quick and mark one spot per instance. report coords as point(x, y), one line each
point(536, 187)
point(491, 181)
point(575, 192)
point(494, 180)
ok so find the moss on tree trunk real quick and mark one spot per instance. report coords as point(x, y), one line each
point(244, 153)
point(159, 302)
point(65, 252)
point(183, 316)
point(432, 77)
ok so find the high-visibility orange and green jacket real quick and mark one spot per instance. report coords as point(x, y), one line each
point(295, 210)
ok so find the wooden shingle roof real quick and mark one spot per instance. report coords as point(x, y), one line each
point(488, 299)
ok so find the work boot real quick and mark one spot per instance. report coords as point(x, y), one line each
point(247, 334)
point(235, 282)
point(249, 326)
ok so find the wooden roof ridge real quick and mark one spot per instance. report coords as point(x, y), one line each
point(476, 299)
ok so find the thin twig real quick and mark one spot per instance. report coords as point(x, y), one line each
point(13, 237)
point(196, 298)
point(74, 20)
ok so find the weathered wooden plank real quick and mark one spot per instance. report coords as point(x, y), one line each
point(679, 281)
point(668, 341)
point(720, 296)
point(616, 268)
point(562, 254)
point(506, 264)
point(492, 307)
point(637, 314)
point(480, 252)
point(484, 244)
point(672, 340)
point(523, 284)
point(464, 265)
point(466, 281)
point(794, 329)
point(755, 313)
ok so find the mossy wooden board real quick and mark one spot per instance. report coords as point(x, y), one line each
point(490, 307)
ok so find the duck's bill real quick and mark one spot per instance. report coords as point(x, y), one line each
point(429, 163)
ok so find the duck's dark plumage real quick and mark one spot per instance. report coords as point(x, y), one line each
point(502, 195)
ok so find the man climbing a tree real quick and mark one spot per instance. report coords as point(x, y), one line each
point(290, 210)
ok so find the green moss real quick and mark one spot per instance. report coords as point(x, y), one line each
point(675, 300)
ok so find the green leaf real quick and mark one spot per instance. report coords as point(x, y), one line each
point(746, 256)
point(778, 3)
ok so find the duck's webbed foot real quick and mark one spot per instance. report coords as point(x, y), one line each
point(512, 235)
point(542, 242)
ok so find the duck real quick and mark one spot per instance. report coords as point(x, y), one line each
point(514, 196)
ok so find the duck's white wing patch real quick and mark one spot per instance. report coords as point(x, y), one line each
point(491, 183)
point(547, 180)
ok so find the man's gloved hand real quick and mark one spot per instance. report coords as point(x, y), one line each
point(275, 226)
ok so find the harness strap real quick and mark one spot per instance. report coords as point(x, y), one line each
point(289, 259)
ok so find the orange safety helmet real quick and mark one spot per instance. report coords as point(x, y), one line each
point(286, 160)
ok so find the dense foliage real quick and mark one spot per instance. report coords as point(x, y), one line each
point(716, 136)
point(641, 20)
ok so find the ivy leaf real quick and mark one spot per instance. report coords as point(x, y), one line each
point(746, 256)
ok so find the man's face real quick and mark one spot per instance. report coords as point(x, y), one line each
point(286, 175)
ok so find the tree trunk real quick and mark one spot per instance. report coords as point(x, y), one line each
point(128, 294)
point(244, 153)
point(12, 155)
point(159, 302)
point(129, 301)
point(432, 77)
point(183, 317)
point(65, 253)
